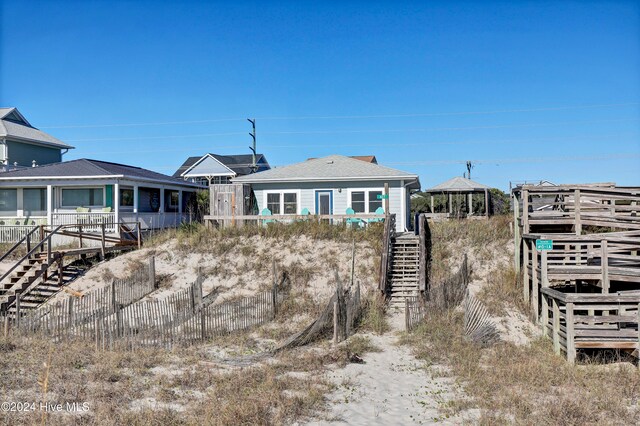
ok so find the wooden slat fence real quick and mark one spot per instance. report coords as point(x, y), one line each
point(415, 310)
point(75, 316)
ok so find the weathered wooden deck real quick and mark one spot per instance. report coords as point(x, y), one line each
point(585, 291)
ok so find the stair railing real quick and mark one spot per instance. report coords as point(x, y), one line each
point(38, 246)
point(26, 238)
point(424, 234)
point(387, 254)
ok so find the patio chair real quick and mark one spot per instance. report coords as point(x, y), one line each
point(304, 212)
point(266, 212)
point(379, 210)
point(352, 221)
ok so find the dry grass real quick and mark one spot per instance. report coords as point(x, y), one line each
point(528, 384)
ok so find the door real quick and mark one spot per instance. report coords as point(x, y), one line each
point(324, 202)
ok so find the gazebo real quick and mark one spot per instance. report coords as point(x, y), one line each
point(460, 187)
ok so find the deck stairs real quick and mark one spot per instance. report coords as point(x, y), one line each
point(404, 274)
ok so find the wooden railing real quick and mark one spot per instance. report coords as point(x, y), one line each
point(577, 206)
point(585, 321)
point(424, 235)
point(91, 222)
point(387, 254)
point(358, 219)
point(596, 259)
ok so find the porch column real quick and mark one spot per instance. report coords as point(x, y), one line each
point(19, 203)
point(180, 203)
point(432, 211)
point(49, 204)
point(486, 202)
point(450, 205)
point(470, 203)
point(161, 211)
point(116, 203)
point(135, 200)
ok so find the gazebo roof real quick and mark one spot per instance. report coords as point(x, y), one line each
point(458, 184)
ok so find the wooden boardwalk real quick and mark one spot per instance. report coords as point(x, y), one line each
point(585, 290)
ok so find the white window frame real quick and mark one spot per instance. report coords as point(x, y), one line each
point(282, 192)
point(366, 197)
point(104, 195)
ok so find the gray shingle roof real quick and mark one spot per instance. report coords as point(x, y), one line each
point(89, 168)
point(24, 131)
point(459, 184)
point(238, 163)
point(331, 168)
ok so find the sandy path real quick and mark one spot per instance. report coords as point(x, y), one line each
point(391, 388)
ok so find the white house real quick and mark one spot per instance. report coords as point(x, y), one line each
point(219, 169)
point(331, 185)
point(92, 192)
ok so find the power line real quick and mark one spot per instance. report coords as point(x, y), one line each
point(621, 156)
point(370, 145)
point(351, 117)
point(356, 131)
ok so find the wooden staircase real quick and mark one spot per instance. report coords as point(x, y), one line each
point(404, 274)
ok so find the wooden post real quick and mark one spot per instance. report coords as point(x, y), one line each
point(525, 211)
point(516, 233)
point(486, 202)
point(118, 320)
point(152, 272)
point(335, 322)
point(102, 242)
point(406, 315)
point(61, 270)
point(202, 325)
point(545, 303)
point(525, 270)
point(6, 325)
point(18, 311)
point(113, 295)
point(139, 236)
point(432, 207)
point(556, 326)
point(450, 205)
point(535, 289)
point(605, 265)
point(578, 220)
point(571, 344)
point(80, 236)
point(386, 200)
point(470, 203)
point(639, 332)
point(353, 262)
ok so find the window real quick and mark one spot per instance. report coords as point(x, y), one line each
point(8, 202)
point(173, 199)
point(374, 202)
point(273, 203)
point(126, 197)
point(83, 197)
point(290, 203)
point(357, 202)
point(34, 201)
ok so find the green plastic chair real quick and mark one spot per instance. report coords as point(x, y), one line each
point(266, 212)
point(305, 212)
point(379, 210)
point(353, 221)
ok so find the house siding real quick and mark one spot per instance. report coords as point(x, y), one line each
point(341, 199)
point(24, 154)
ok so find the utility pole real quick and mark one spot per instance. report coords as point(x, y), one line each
point(254, 166)
point(469, 167)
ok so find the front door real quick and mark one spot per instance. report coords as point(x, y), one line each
point(324, 202)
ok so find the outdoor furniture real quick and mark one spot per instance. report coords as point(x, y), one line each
point(266, 212)
point(379, 210)
point(353, 221)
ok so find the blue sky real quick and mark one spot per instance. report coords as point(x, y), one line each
point(527, 90)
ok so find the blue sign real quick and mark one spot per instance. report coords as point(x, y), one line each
point(544, 245)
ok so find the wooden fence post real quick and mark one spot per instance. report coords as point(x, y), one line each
point(202, 325)
point(407, 324)
point(139, 235)
point(18, 313)
point(578, 220)
point(274, 298)
point(639, 332)
point(571, 344)
point(556, 326)
point(6, 324)
point(353, 261)
point(102, 240)
point(545, 302)
point(113, 296)
point(152, 272)
point(525, 270)
point(335, 322)
point(118, 320)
